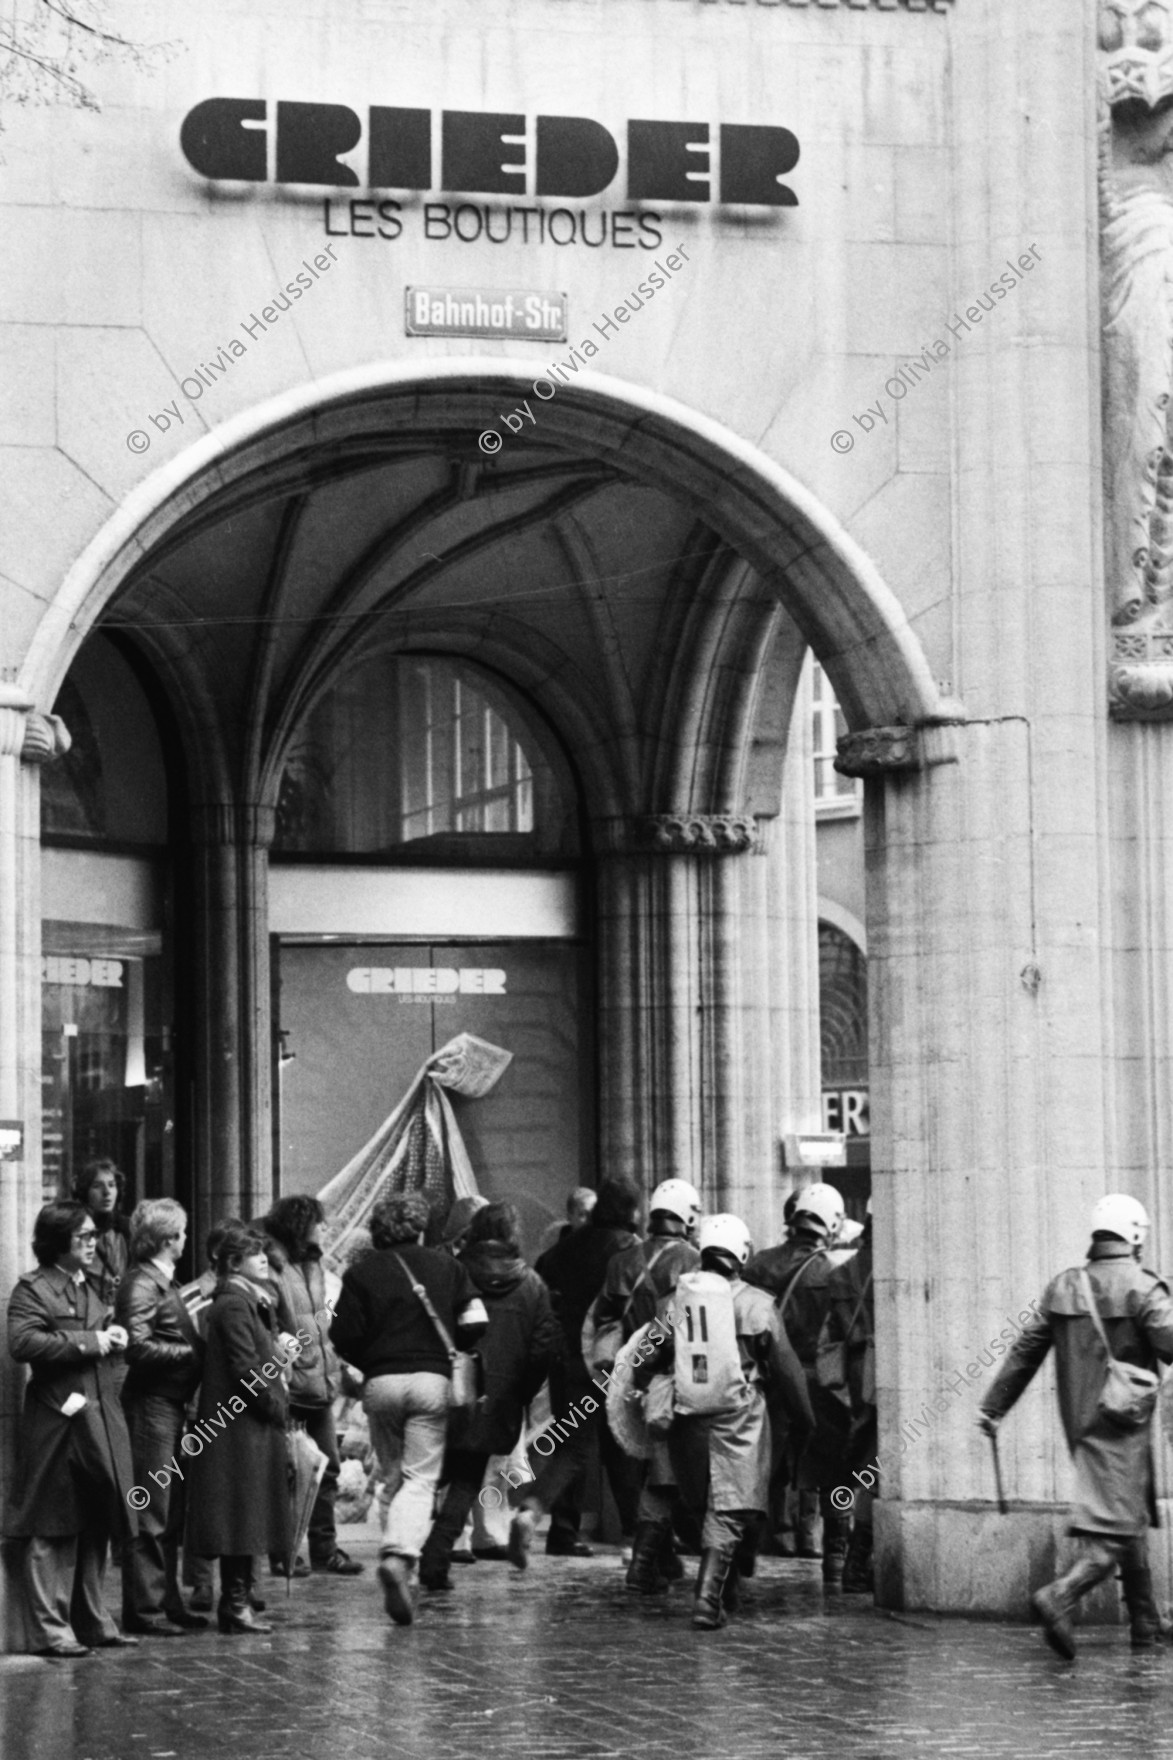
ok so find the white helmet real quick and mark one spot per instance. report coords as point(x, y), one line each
point(679, 1199)
point(1122, 1215)
point(823, 1204)
point(725, 1233)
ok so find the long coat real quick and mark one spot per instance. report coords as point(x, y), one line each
point(72, 1473)
point(238, 1483)
point(1113, 1468)
point(722, 1462)
point(522, 1342)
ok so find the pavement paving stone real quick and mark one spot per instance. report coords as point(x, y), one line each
point(561, 1664)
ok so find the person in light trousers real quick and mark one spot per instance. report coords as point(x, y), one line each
point(384, 1329)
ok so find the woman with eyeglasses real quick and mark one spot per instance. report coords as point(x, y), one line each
point(69, 1496)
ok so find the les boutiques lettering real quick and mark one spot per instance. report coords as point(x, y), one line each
point(561, 159)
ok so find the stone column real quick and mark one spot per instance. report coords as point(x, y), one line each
point(988, 903)
point(27, 740)
point(232, 1013)
point(1141, 1014)
point(708, 971)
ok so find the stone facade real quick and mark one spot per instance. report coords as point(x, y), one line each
point(867, 421)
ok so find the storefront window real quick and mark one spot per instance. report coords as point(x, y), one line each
point(843, 1018)
point(106, 1057)
point(422, 757)
point(106, 1005)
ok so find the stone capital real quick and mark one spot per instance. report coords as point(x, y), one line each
point(878, 751)
point(25, 733)
point(233, 823)
point(680, 834)
point(1140, 675)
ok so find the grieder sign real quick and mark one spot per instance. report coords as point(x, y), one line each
point(485, 152)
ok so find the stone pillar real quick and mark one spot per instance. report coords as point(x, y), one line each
point(988, 903)
point(1141, 1014)
point(27, 740)
point(232, 1013)
point(708, 1003)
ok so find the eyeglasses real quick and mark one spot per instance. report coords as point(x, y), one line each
point(85, 1234)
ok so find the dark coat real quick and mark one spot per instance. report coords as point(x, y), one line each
point(164, 1351)
point(238, 1485)
point(72, 1473)
point(111, 1254)
point(521, 1343)
point(574, 1270)
point(1113, 1468)
point(638, 1279)
point(382, 1327)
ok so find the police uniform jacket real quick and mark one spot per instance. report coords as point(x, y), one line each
point(72, 1473)
point(733, 1451)
point(1113, 1468)
point(638, 1278)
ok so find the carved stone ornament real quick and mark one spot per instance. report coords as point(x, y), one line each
point(878, 751)
point(1136, 45)
point(679, 834)
point(46, 737)
point(1136, 250)
point(25, 733)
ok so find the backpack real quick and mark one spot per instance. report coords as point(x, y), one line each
point(708, 1373)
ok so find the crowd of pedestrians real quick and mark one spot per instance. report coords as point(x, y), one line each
point(726, 1394)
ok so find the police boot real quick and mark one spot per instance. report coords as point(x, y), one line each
point(858, 1574)
point(836, 1531)
point(644, 1573)
point(707, 1611)
point(669, 1563)
point(1055, 1601)
point(1143, 1614)
point(745, 1559)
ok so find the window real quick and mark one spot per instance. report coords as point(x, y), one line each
point(412, 756)
point(835, 795)
point(843, 1022)
point(461, 769)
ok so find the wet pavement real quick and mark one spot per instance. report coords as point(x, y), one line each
point(561, 1663)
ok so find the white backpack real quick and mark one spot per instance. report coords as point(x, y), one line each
point(708, 1373)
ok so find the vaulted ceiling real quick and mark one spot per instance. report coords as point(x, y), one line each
point(599, 595)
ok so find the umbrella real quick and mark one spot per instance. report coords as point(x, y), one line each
point(307, 1464)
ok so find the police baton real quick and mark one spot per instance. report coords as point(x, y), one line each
point(1003, 1506)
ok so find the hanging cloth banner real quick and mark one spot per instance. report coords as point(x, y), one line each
point(418, 1148)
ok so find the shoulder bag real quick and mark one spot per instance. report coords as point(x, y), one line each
point(467, 1373)
point(1129, 1394)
